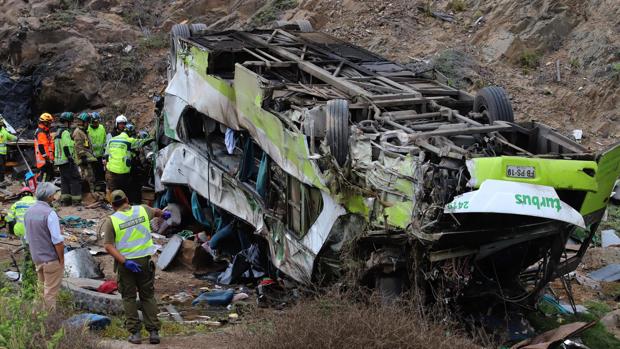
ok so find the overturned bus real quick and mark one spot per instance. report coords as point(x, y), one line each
point(346, 162)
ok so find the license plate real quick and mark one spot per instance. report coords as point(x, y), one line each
point(520, 171)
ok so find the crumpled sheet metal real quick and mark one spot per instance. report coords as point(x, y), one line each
point(296, 258)
point(185, 167)
point(79, 263)
point(202, 94)
point(169, 252)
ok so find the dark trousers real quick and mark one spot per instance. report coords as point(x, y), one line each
point(46, 172)
point(144, 284)
point(99, 173)
point(135, 190)
point(2, 167)
point(116, 181)
point(70, 181)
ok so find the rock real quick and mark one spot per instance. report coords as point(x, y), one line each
point(611, 321)
point(43, 7)
point(99, 5)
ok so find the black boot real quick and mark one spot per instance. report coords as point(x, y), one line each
point(135, 338)
point(154, 337)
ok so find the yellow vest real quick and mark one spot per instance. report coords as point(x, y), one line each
point(119, 154)
point(16, 213)
point(132, 231)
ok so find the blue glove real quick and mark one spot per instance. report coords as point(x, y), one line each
point(166, 215)
point(132, 266)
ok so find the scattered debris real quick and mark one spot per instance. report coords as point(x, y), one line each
point(92, 321)
point(609, 238)
point(108, 287)
point(608, 273)
point(577, 134)
point(558, 335)
point(76, 222)
point(215, 298)
point(169, 252)
point(79, 263)
point(174, 313)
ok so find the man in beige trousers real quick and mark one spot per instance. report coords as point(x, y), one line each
point(46, 242)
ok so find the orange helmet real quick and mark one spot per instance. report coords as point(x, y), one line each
point(46, 117)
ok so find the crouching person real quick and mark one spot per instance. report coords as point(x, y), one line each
point(127, 237)
point(45, 242)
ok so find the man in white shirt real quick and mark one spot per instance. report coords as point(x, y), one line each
point(46, 242)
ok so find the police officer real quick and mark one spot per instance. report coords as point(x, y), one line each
point(70, 180)
point(5, 136)
point(83, 152)
point(127, 238)
point(15, 216)
point(97, 135)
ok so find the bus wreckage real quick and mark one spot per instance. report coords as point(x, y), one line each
point(344, 161)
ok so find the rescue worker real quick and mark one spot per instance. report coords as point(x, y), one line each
point(136, 174)
point(118, 157)
point(127, 238)
point(83, 152)
point(5, 136)
point(15, 216)
point(70, 180)
point(141, 167)
point(97, 135)
point(119, 125)
point(44, 148)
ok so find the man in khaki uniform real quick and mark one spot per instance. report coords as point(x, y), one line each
point(127, 238)
point(83, 152)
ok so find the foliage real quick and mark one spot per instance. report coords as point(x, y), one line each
point(529, 59)
point(59, 19)
point(595, 337)
point(457, 5)
point(271, 11)
point(613, 218)
point(341, 321)
point(154, 41)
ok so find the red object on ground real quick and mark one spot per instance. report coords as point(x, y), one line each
point(108, 287)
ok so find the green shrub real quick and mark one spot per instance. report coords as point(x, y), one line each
point(272, 10)
point(457, 5)
point(529, 59)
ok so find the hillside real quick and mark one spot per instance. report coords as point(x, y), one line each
point(111, 55)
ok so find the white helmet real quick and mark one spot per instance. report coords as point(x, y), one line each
point(121, 119)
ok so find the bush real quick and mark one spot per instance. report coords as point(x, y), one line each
point(271, 11)
point(457, 5)
point(338, 321)
point(529, 59)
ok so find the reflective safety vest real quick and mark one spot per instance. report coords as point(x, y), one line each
point(132, 231)
point(4, 137)
point(42, 136)
point(16, 214)
point(97, 140)
point(119, 153)
point(62, 141)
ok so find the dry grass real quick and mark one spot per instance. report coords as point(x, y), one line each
point(338, 321)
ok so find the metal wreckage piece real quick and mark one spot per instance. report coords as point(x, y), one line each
point(337, 156)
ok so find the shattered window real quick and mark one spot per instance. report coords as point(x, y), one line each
point(304, 206)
